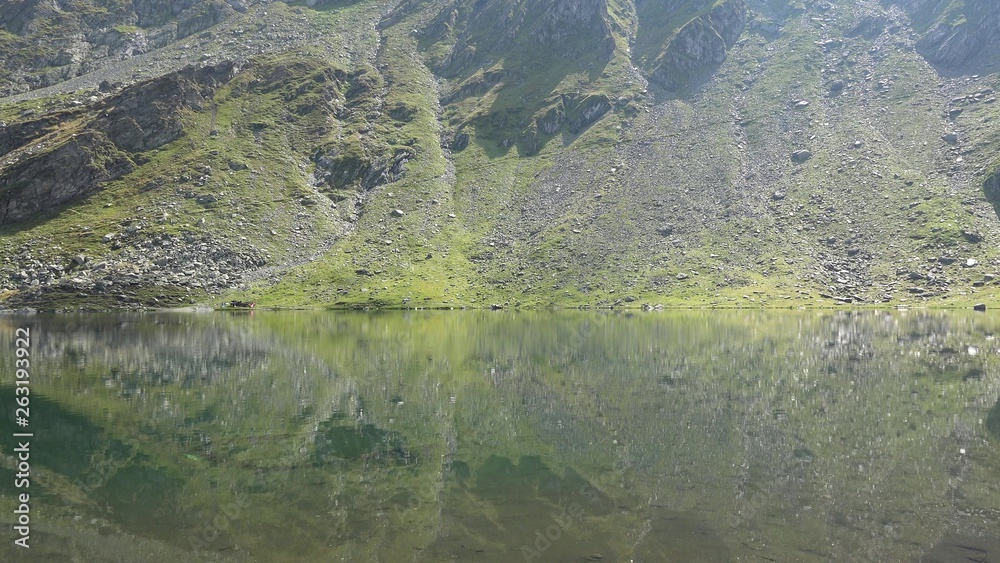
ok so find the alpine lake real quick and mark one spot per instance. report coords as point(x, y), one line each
point(506, 436)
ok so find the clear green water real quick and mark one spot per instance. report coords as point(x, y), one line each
point(507, 437)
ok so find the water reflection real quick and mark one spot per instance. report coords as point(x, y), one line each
point(432, 436)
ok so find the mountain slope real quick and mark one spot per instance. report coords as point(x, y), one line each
point(459, 153)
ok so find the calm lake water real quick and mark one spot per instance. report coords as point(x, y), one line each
point(507, 437)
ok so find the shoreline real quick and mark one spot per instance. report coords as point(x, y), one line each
point(548, 308)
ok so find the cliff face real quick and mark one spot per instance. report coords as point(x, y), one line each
point(49, 42)
point(72, 169)
point(481, 33)
point(700, 44)
point(58, 159)
point(955, 34)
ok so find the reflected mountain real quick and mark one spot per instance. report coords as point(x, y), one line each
point(478, 436)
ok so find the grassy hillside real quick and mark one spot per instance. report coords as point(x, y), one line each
point(469, 154)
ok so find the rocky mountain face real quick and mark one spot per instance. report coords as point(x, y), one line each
point(483, 33)
point(954, 34)
point(48, 166)
point(47, 42)
point(460, 152)
point(699, 43)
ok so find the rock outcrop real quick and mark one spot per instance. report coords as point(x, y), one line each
point(956, 36)
point(343, 171)
point(991, 187)
point(72, 169)
point(146, 116)
point(562, 20)
point(48, 42)
point(481, 32)
point(700, 44)
point(41, 174)
point(570, 113)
